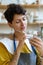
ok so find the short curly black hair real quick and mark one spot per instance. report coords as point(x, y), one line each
point(12, 10)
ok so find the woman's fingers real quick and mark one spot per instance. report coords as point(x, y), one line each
point(38, 39)
point(38, 44)
point(34, 43)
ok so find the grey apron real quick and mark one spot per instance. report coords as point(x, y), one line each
point(27, 58)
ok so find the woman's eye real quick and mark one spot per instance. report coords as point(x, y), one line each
point(17, 21)
point(24, 19)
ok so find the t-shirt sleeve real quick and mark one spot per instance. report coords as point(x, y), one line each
point(4, 55)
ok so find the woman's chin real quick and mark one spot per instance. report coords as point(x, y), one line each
point(23, 31)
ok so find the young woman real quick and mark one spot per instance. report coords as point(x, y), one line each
point(16, 51)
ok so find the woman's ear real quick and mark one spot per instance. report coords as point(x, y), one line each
point(10, 24)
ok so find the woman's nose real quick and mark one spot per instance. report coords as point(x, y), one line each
point(22, 23)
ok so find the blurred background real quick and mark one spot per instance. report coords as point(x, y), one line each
point(34, 16)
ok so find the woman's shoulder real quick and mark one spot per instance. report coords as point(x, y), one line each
point(5, 40)
point(8, 43)
point(5, 56)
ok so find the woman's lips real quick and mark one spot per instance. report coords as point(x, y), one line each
point(23, 28)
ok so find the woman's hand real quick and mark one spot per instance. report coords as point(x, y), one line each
point(38, 44)
point(21, 37)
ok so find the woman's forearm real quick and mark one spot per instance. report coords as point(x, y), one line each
point(41, 60)
point(15, 59)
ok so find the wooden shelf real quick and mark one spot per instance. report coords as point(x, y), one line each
point(32, 6)
point(3, 6)
point(3, 24)
point(25, 6)
point(28, 24)
point(2, 35)
point(35, 23)
point(6, 35)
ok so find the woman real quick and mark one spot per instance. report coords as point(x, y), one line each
point(15, 51)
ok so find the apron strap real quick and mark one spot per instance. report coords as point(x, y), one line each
point(14, 45)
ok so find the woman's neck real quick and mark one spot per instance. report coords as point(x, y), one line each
point(16, 35)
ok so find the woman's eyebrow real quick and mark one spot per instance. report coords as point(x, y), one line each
point(21, 18)
point(17, 19)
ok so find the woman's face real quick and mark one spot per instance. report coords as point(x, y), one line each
point(19, 22)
